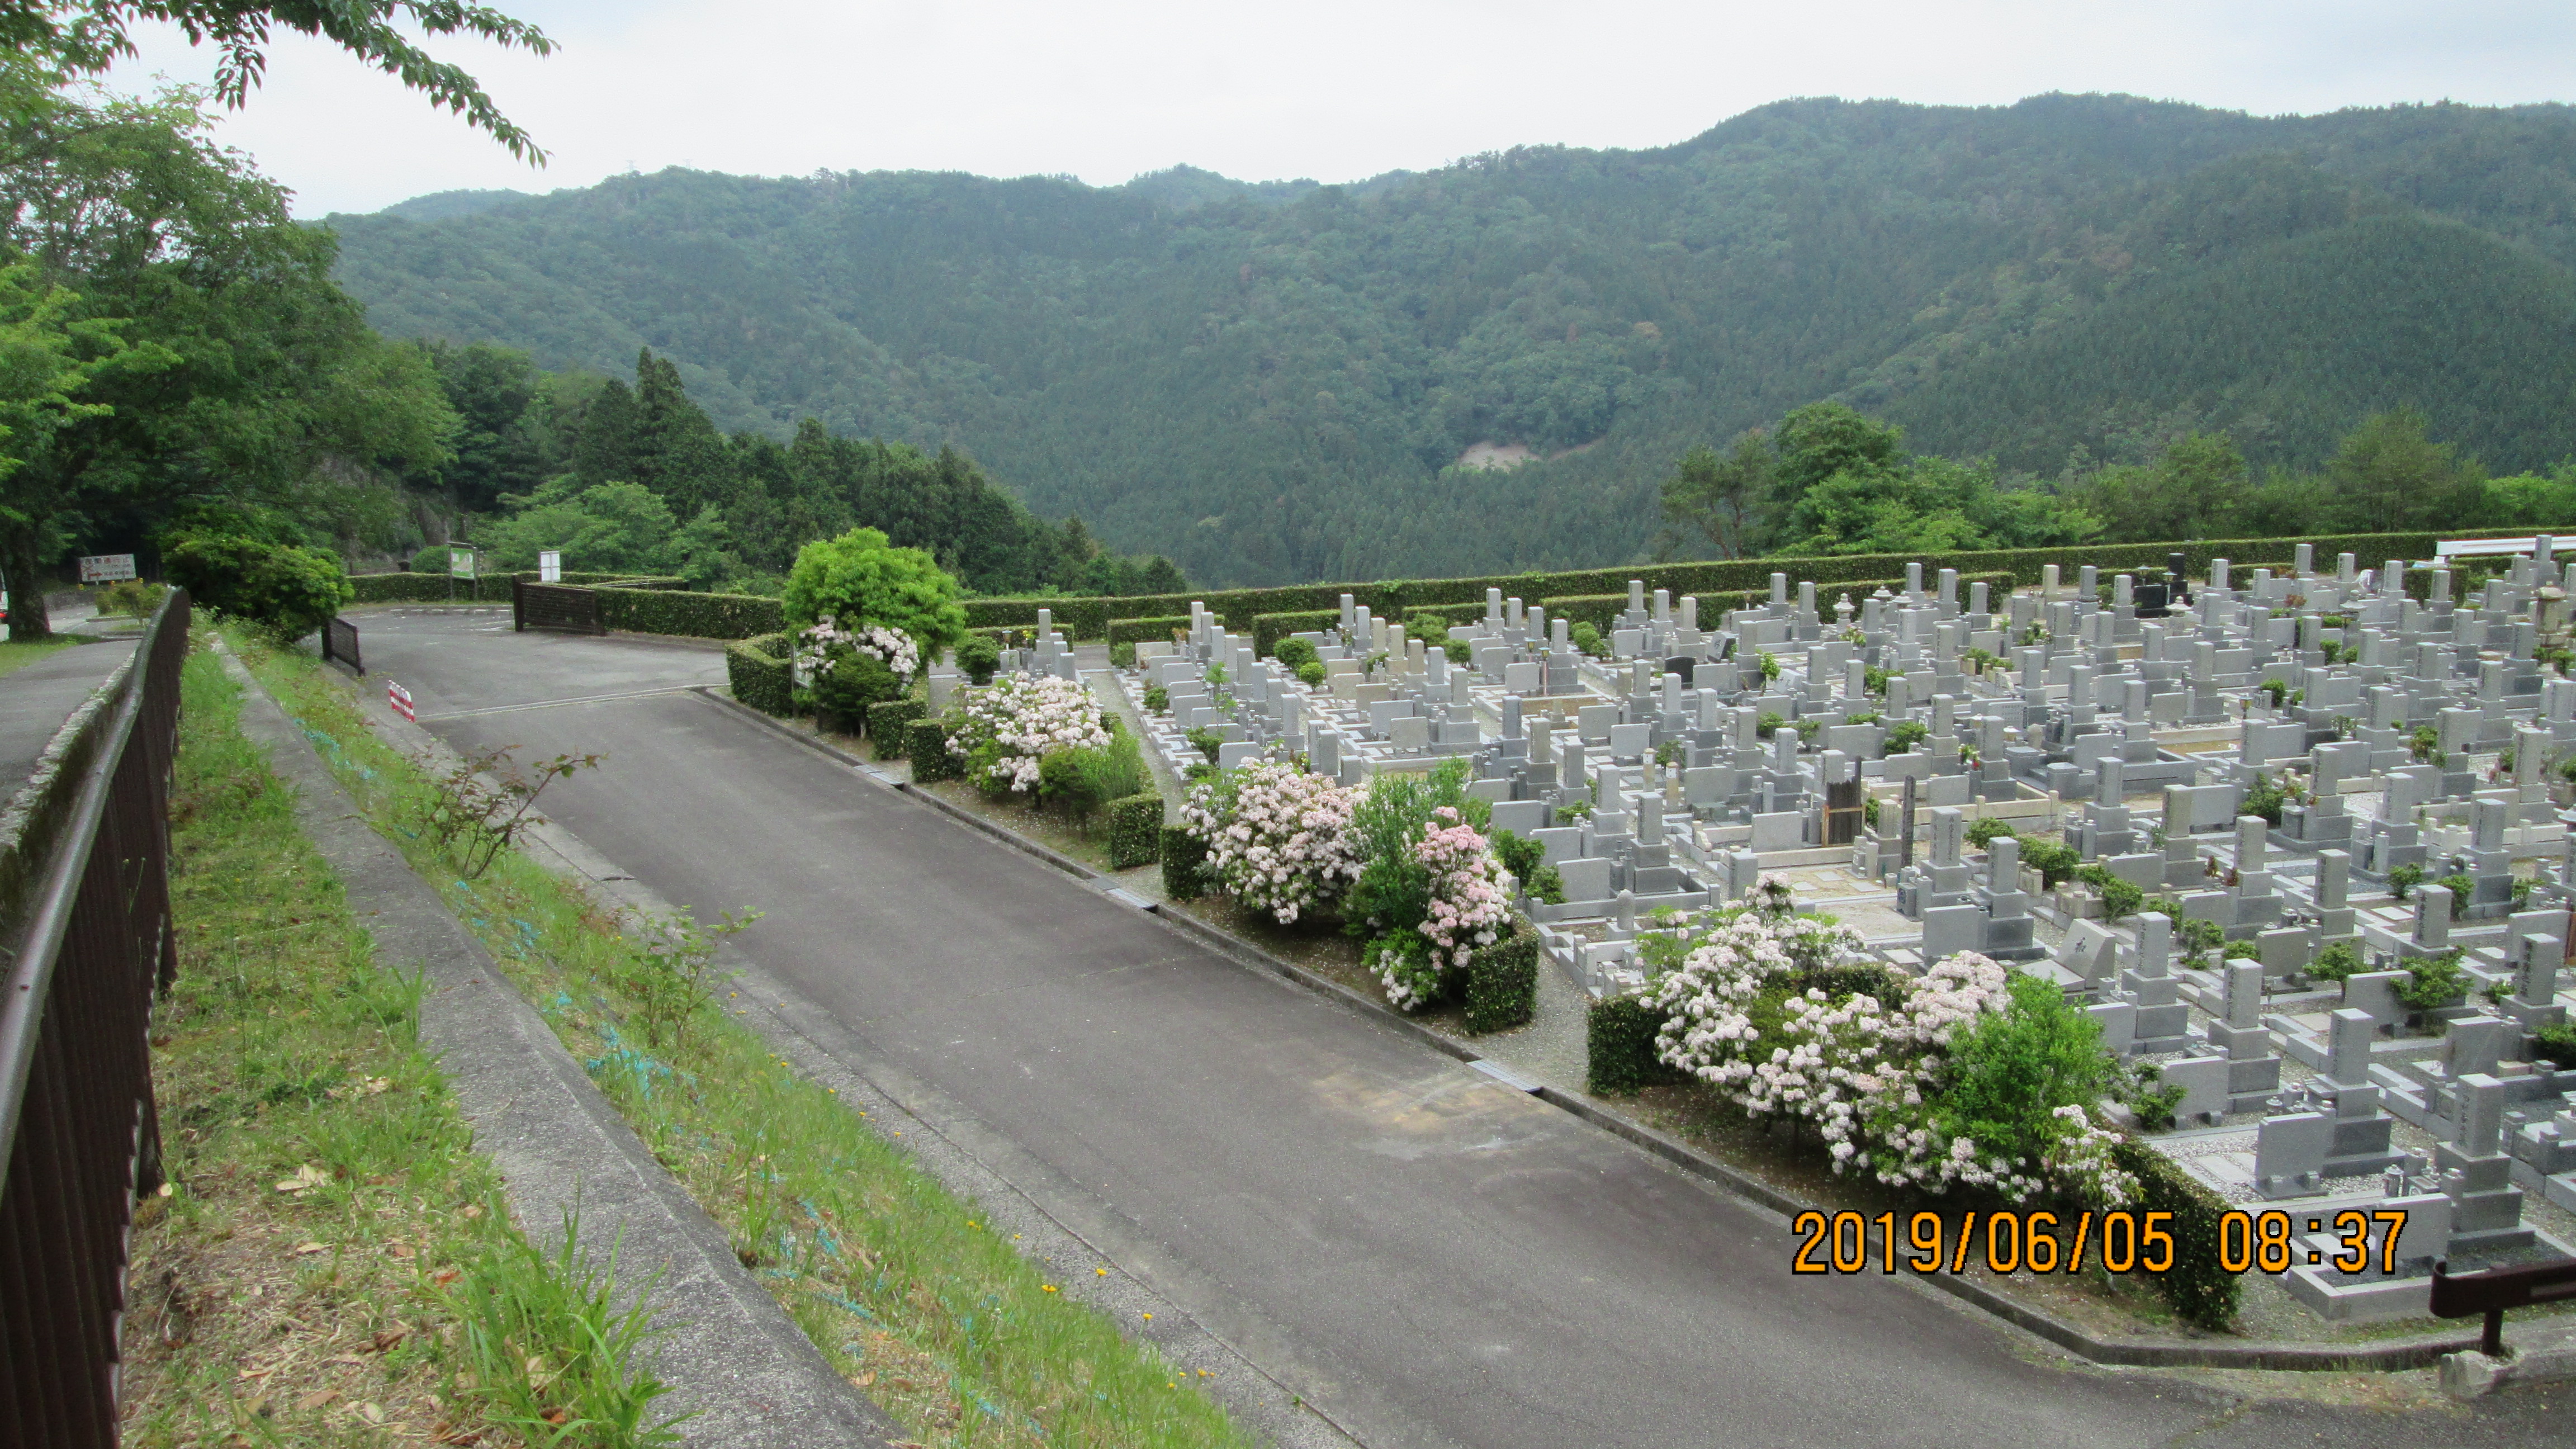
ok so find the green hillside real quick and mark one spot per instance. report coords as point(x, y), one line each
point(1273, 383)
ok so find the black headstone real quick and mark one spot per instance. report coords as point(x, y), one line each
point(1681, 664)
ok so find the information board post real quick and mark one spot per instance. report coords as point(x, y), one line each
point(460, 565)
point(106, 568)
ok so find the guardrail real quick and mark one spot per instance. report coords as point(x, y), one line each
point(79, 1140)
point(2497, 1289)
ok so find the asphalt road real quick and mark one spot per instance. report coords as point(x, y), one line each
point(1428, 1257)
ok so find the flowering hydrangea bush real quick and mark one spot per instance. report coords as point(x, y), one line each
point(1005, 731)
point(1467, 905)
point(820, 644)
point(1875, 1069)
point(1276, 836)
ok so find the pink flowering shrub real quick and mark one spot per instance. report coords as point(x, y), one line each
point(1276, 836)
point(1005, 731)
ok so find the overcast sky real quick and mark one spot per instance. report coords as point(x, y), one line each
point(1332, 89)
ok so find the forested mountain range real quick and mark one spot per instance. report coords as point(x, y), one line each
point(1276, 382)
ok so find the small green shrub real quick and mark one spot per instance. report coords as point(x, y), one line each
point(1587, 639)
point(1502, 981)
point(2404, 878)
point(1122, 655)
point(1293, 652)
point(2461, 887)
point(1206, 741)
point(2054, 861)
point(2555, 1045)
point(1158, 699)
point(2120, 899)
point(1906, 734)
point(2435, 981)
point(1311, 673)
point(2265, 799)
point(890, 726)
point(1184, 858)
point(853, 685)
point(1135, 830)
point(1770, 723)
point(2425, 744)
point(978, 656)
point(2339, 961)
point(1982, 833)
point(2199, 937)
point(1619, 1046)
point(927, 748)
point(1082, 782)
point(1808, 729)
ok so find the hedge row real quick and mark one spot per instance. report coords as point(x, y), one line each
point(1182, 854)
point(1135, 830)
point(1619, 1046)
point(699, 616)
point(492, 589)
point(1269, 629)
point(927, 748)
point(760, 677)
point(2201, 1291)
point(1502, 981)
point(1146, 631)
point(890, 725)
point(1088, 618)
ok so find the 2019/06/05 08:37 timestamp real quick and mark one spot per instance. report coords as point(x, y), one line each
point(2120, 1242)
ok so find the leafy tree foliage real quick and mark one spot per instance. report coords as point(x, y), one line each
point(861, 579)
point(286, 590)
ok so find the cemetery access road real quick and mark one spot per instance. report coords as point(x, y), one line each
point(1425, 1256)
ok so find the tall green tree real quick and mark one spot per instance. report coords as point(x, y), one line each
point(264, 382)
point(2389, 474)
point(1720, 497)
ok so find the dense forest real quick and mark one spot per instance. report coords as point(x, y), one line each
point(1280, 382)
point(638, 478)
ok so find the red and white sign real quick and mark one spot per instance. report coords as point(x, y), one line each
point(400, 699)
point(106, 568)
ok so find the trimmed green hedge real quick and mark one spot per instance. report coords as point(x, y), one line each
point(890, 725)
point(415, 588)
point(1502, 981)
point(2201, 1291)
point(927, 748)
point(697, 616)
point(1619, 1040)
point(1182, 854)
point(1269, 629)
point(1135, 830)
point(1146, 631)
point(760, 678)
point(1088, 618)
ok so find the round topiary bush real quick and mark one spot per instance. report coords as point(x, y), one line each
point(1293, 652)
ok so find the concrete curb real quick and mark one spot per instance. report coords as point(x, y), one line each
point(748, 1375)
point(2389, 1357)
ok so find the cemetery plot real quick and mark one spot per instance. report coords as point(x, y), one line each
point(2296, 842)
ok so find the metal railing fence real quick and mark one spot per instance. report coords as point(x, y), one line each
point(79, 1140)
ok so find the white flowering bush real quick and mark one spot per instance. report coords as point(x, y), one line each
point(1276, 836)
point(825, 642)
point(1971, 1074)
point(1005, 732)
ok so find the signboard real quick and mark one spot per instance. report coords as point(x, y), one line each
point(106, 568)
point(460, 562)
point(550, 566)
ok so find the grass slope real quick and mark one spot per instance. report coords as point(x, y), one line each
point(897, 1281)
point(331, 1264)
